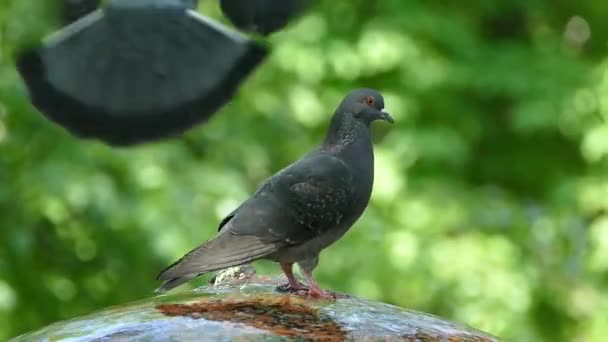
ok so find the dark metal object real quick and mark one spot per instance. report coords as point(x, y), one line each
point(137, 71)
point(262, 16)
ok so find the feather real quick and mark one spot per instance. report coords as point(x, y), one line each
point(225, 250)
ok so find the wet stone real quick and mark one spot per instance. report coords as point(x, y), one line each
point(246, 307)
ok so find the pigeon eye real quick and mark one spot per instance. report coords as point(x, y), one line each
point(370, 101)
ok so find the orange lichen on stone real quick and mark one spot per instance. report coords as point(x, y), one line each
point(280, 315)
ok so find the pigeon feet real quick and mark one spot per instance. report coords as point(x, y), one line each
point(316, 292)
point(305, 291)
point(299, 289)
point(321, 294)
point(295, 287)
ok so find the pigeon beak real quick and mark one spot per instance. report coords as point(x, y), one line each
point(386, 117)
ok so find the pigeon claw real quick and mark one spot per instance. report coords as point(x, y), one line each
point(322, 294)
point(305, 291)
point(299, 289)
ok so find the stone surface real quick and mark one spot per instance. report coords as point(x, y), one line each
point(241, 306)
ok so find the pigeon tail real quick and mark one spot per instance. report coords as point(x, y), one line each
point(175, 282)
point(226, 250)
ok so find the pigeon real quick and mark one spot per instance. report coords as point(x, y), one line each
point(136, 71)
point(262, 16)
point(300, 210)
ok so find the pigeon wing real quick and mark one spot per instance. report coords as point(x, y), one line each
point(299, 203)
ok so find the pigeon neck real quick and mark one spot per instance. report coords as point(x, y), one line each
point(345, 132)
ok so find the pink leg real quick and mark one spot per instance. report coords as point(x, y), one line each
point(314, 289)
point(294, 284)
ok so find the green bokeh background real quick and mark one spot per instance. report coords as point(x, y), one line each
point(490, 204)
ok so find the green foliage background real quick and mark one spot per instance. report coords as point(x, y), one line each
point(491, 199)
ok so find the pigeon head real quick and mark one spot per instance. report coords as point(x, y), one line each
point(364, 105)
point(354, 115)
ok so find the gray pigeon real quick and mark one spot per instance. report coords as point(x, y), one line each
point(300, 210)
